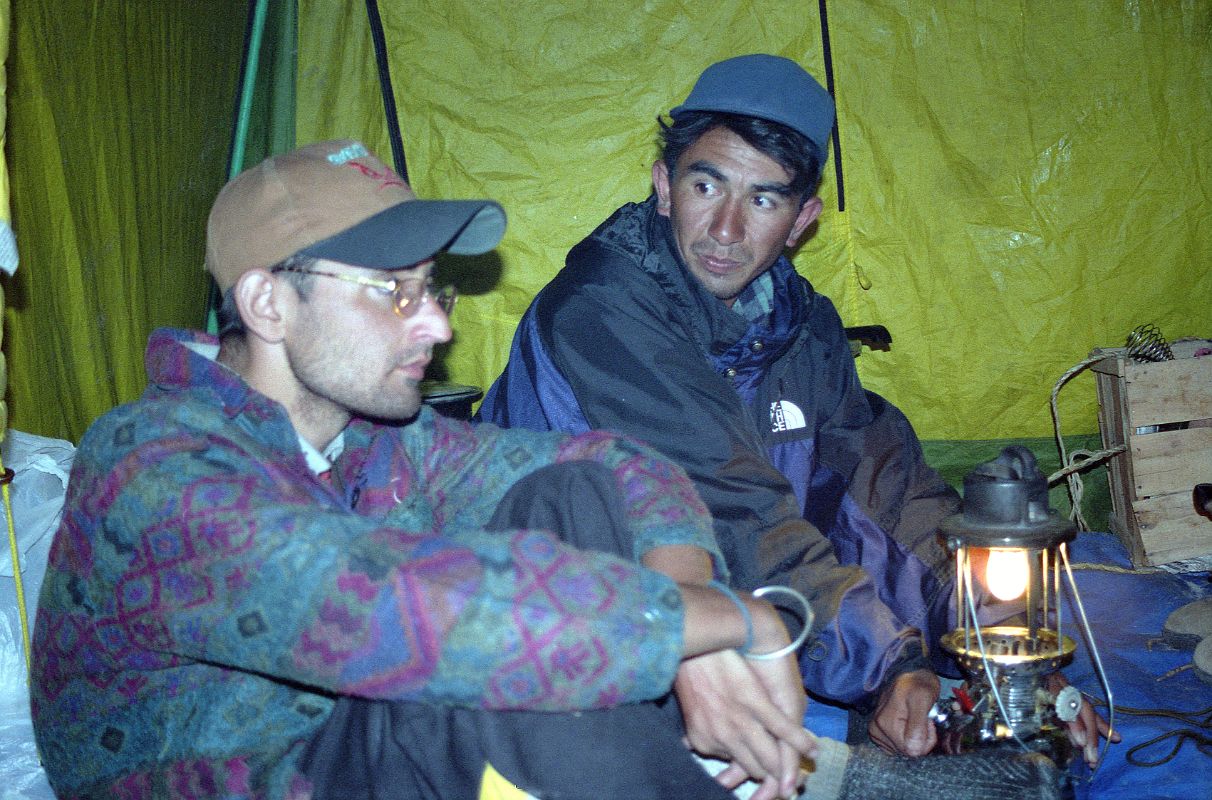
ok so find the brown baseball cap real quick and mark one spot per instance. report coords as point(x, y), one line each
point(337, 201)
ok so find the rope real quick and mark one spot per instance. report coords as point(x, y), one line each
point(1119, 570)
point(1200, 732)
point(1080, 460)
point(6, 477)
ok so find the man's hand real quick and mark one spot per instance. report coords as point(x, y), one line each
point(901, 723)
point(749, 713)
point(1089, 728)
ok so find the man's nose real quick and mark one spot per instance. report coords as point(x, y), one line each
point(431, 323)
point(727, 223)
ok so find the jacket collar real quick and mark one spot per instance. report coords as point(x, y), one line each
point(180, 360)
point(717, 328)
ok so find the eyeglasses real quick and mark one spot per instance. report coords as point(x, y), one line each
point(407, 295)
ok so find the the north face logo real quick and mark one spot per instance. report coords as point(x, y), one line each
point(785, 416)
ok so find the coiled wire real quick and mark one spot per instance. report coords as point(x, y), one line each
point(1146, 344)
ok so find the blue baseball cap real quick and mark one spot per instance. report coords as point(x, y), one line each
point(767, 87)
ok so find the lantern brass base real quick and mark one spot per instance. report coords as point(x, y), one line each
point(1011, 648)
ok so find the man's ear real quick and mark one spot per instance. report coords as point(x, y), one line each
point(660, 182)
point(808, 213)
point(263, 303)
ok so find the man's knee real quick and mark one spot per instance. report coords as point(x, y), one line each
point(577, 501)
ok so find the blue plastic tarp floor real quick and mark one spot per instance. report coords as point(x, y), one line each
point(1127, 612)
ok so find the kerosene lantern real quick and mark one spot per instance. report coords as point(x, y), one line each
point(1009, 545)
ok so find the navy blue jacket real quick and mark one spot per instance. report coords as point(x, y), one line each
point(812, 481)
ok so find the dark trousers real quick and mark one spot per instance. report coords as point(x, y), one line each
point(377, 750)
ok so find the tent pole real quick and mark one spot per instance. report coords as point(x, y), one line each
point(389, 97)
point(253, 33)
point(248, 79)
point(827, 53)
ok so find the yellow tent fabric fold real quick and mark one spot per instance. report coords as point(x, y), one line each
point(119, 123)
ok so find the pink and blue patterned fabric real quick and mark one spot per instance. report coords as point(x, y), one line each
point(207, 595)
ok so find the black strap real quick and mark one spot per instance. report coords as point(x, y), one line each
point(389, 97)
point(827, 53)
point(1199, 733)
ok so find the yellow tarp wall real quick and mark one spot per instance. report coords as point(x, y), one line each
point(1024, 181)
point(119, 119)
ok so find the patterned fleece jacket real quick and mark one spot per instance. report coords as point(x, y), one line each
point(208, 596)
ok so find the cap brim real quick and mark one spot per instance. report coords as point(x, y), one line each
point(414, 231)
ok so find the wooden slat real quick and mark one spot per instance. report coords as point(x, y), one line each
point(1168, 391)
point(1124, 528)
point(1113, 360)
point(1171, 461)
point(1170, 530)
point(1113, 428)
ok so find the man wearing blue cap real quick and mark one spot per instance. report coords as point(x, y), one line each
point(680, 321)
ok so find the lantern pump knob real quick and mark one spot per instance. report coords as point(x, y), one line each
point(1068, 703)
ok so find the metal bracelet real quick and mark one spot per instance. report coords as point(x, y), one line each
point(803, 634)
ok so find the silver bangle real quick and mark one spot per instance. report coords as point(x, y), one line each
point(798, 640)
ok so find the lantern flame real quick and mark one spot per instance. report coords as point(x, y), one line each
point(1006, 573)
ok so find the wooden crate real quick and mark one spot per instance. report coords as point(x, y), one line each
point(1163, 412)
